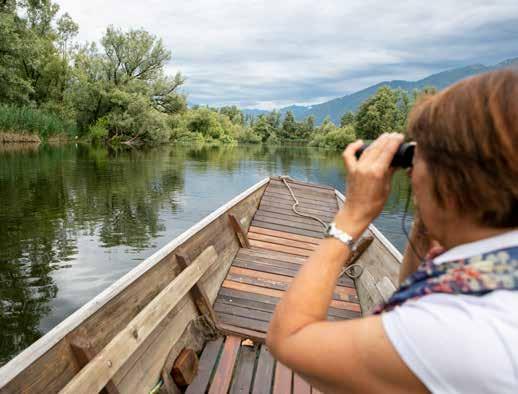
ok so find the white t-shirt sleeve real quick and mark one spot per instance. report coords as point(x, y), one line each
point(459, 344)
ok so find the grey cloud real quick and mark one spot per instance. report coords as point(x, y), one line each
point(272, 53)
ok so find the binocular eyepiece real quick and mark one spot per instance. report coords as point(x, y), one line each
point(403, 157)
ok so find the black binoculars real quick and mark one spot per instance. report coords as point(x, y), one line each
point(403, 157)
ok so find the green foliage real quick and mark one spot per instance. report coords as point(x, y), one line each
point(347, 119)
point(234, 114)
point(206, 125)
point(331, 137)
point(378, 114)
point(263, 127)
point(28, 120)
point(289, 127)
point(248, 136)
point(99, 131)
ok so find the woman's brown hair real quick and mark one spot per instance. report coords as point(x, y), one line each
point(468, 136)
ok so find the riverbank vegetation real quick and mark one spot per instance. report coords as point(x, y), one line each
point(118, 91)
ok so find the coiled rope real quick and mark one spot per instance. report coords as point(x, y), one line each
point(353, 271)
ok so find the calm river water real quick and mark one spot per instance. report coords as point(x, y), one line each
point(74, 219)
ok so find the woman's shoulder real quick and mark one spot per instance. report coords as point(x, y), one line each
point(459, 342)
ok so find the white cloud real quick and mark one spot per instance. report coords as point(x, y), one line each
point(271, 53)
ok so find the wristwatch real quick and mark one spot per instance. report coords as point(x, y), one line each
point(342, 236)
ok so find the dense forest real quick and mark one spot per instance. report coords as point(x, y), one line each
point(117, 91)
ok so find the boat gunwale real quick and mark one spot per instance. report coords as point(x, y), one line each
point(378, 234)
point(32, 353)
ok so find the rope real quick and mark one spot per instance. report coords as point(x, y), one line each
point(353, 271)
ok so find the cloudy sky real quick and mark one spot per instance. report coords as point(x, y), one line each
point(272, 53)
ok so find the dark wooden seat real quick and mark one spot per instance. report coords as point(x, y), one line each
point(227, 366)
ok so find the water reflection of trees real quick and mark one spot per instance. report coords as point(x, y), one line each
point(52, 196)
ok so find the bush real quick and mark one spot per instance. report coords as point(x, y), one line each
point(99, 130)
point(247, 136)
point(337, 138)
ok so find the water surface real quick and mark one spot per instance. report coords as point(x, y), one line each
point(74, 219)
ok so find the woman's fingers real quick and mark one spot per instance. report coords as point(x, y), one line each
point(385, 156)
point(349, 154)
point(374, 149)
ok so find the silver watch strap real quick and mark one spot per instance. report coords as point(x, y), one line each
point(342, 236)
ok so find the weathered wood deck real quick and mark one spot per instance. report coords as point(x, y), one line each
point(280, 242)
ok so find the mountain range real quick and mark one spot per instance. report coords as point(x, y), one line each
point(337, 107)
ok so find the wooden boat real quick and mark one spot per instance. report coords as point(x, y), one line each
point(209, 292)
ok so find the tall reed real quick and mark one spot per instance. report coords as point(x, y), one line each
point(16, 119)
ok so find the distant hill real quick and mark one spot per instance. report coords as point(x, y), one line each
point(337, 107)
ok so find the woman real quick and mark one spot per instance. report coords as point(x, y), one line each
point(453, 324)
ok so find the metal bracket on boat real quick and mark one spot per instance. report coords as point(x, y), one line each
point(240, 232)
point(201, 300)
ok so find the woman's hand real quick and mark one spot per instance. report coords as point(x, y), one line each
point(368, 182)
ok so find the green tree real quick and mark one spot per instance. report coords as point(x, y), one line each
point(289, 127)
point(378, 114)
point(347, 119)
point(234, 114)
point(263, 128)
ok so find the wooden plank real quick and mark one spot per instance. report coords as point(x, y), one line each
point(287, 208)
point(315, 189)
point(264, 268)
point(185, 367)
point(282, 278)
point(264, 372)
point(299, 182)
point(280, 248)
point(340, 293)
point(243, 375)
point(294, 230)
point(245, 322)
point(281, 234)
point(236, 310)
point(251, 305)
point(201, 300)
point(322, 208)
point(282, 241)
point(94, 376)
point(288, 202)
point(288, 213)
point(84, 352)
point(268, 303)
point(223, 375)
point(276, 268)
point(279, 192)
point(256, 336)
point(300, 386)
point(328, 203)
point(276, 206)
point(146, 363)
point(270, 254)
point(269, 214)
point(238, 229)
point(290, 221)
point(208, 359)
point(240, 307)
point(277, 293)
point(289, 227)
point(266, 213)
point(283, 379)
